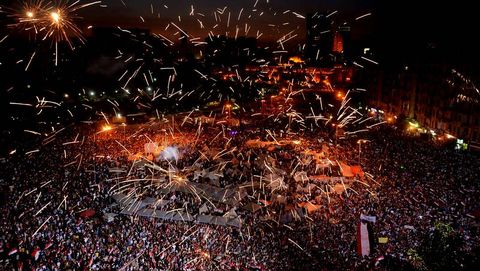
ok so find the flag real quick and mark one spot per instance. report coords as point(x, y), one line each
point(13, 251)
point(363, 240)
point(36, 253)
point(368, 218)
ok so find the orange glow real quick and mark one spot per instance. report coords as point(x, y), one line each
point(106, 128)
point(338, 43)
point(55, 16)
point(30, 14)
point(296, 59)
point(449, 136)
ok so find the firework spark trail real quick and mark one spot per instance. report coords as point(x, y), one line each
point(363, 16)
point(45, 206)
point(30, 61)
point(41, 226)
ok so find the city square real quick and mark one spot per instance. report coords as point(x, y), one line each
point(258, 135)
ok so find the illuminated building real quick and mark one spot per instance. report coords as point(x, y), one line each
point(435, 96)
point(319, 37)
point(343, 33)
point(338, 43)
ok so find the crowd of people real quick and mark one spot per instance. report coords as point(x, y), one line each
point(410, 184)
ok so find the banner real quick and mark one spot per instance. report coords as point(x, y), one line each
point(368, 218)
point(363, 241)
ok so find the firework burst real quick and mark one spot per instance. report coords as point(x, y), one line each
point(54, 20)
point(29, 16)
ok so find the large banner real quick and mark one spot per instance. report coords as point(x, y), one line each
point(363, 241)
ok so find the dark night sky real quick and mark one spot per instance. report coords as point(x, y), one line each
point(394, 24)
point(128, 14)
point(399, 26)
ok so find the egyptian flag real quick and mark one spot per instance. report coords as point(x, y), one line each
point(363, 240)
point(36, 253)
point(13, 251)
point(152, 256)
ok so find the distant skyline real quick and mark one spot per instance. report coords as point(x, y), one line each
point(393, 25)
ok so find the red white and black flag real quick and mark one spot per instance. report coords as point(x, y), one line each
point(363, 240)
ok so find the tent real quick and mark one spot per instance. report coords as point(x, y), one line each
point(182, 216)
point(346, 170)
point(301, 176)
point(235, 222)
point(339, 188)
point(310, 207)
point(109, 216)
point(151, 147)
point(204, 219)
point(87, 213)
point(252, 207)
point(357, 171)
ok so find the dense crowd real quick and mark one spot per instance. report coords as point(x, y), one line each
point(410, 185)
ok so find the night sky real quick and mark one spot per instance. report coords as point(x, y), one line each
point(127, 14)
point(396, 27)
